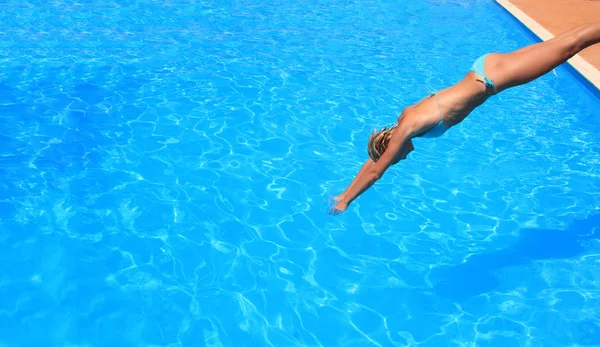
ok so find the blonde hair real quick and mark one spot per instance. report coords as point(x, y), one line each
point(378, 142)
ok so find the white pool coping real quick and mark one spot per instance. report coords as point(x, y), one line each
point(587, 70)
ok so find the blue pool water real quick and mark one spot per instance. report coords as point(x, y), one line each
point(166, 168)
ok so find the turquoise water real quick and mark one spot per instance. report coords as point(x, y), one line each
point(166, 169)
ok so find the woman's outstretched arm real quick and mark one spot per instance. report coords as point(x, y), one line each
point(365, 168)
point(368, 177)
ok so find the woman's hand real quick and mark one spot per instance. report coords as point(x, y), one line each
point(339, 207)
point(339, 197)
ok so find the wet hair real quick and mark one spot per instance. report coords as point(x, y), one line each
point(378, 142)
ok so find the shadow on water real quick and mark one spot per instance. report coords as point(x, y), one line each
point(476, 276)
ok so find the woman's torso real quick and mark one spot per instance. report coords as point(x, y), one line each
point(455, 103)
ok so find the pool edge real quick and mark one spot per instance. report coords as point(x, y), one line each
point(586, 70)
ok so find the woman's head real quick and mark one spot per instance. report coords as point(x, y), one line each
point(379, 140)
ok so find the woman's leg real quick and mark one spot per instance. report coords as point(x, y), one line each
point(535, 45)
point(529, 63)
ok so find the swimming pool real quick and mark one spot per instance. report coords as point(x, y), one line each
point(166, 168)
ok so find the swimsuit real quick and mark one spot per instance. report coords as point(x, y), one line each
point(439, 129)
point(477, 68)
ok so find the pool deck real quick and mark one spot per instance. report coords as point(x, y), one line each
point(548, 18)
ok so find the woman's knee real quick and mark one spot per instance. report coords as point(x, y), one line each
point(574, 45)
point(585, 37)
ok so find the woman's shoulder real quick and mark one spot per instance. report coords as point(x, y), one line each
point(412, 120)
